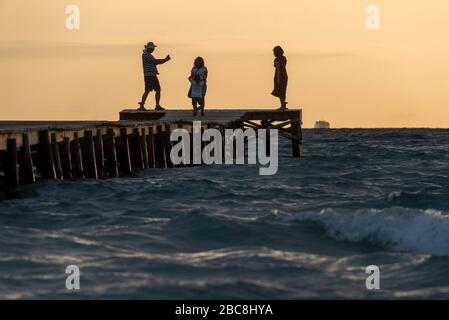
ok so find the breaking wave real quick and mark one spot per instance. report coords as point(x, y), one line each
point(397, 228)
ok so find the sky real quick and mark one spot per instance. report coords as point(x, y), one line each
point(339, 71)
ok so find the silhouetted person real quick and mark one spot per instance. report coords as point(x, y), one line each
point(150, 74)
point(280, 76)
point(198, 88)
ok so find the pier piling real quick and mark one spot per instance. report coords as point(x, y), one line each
point(144, 148)
point(66, 159)
point(99, 153)
point(111, 153)
point(11, 169)
point(159, 154)
point(135, 146)
point(26, 161)
point(265, 124)
point(45, 157)
point(77, 162)
point(167, 146)
point(124, 156)
point(56, 156)
point(88, 156)
point(150, 148)
point(295, 131)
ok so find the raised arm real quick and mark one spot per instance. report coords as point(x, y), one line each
point(162, 61)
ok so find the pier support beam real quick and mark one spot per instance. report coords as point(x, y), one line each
point(77, 161)
point(150, 148)
point(167, 146)
point(265, 124)
point(159, 155)
point(66, 159)
point(111, 153)
point(88, 152)
point(144, 148)
point(135, 146)
point(295, 132)
point(124, 158)
point(56, 156)
point(11, 169)
point(99, 153)
point(26, 161)
point(45, 157)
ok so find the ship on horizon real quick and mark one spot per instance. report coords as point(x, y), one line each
point(322, 125)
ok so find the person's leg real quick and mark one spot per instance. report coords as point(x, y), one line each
point(194, 105)
point(157, 89)
point(202, 106)
point(283, 104)
point(144, 99)
point(204, 95)
point(158, 98)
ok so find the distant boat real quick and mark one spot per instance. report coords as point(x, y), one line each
point(322, 125)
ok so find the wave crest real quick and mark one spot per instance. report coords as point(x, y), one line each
point(398, 228)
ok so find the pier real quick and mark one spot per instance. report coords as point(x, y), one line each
point(66, 150)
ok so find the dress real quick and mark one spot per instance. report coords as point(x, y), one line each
point(280, 86)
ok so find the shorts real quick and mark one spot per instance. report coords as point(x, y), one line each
point(152, 83)
point(196, 101)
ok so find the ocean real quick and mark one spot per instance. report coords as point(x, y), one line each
point(358, 197)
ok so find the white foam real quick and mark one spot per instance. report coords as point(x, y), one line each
point(399, 229)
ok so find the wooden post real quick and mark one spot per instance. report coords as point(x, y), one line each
point(111, 153)
point(150, 148)
point(56, 156)
point(159, 155)
point(77, 162)
point(11, 169)
point(66, 159)
point(99, 153)
point(182, 164)
point(88, 152)
point(26, 165)
point(223, 142)
point(144, 148)
point(265, 124)
point(45, 157)
point(135, 147)
point(124, 159)
point(294, 129)
point(167, 146)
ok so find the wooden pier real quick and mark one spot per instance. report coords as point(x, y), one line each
point(65, 150)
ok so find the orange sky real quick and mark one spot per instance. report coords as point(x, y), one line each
point(339, 71)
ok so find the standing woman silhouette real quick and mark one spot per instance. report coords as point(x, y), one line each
point(280, 76)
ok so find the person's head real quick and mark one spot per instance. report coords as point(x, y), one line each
point(150, 46)
point(278, 51)
point(199, 62)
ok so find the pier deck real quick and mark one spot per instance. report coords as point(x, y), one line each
point(32, 150)
point(217, 116)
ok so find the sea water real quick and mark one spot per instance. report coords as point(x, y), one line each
point(357, 198)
